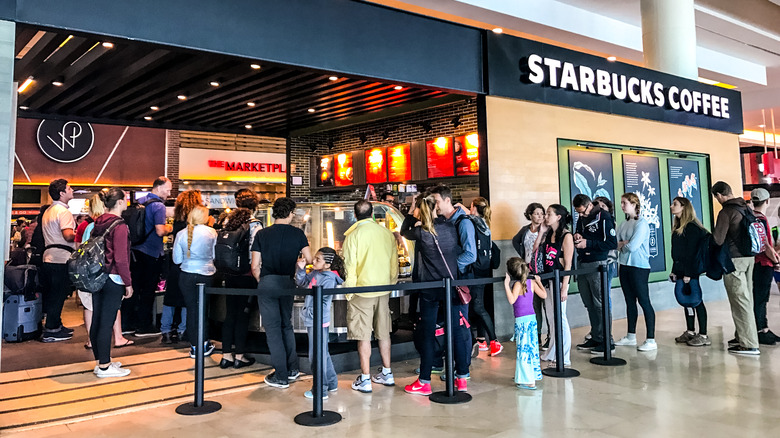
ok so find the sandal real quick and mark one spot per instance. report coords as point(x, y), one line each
point(127, 343)
point(528, 387)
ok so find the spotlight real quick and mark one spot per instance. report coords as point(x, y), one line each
point(182, 97)
point(611, 58)
point(147, 118)
point(426, 126)
point(334, 78)
point(154, 107)
point(255, 66)
point(498, 30)
point(331, 144)
point(250, 104)
point(108, 45)
point(23, 108)
point(311, 110)
point(386, 134)
point(58, 82)
point(398, 87)
point(312, 147)
point(363, 138)
point(214, 83)
point(456, 121)
point(248, 126)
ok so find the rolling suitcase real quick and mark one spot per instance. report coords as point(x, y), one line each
point(22, 307)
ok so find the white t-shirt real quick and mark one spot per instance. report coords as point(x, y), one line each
point(528, 242)
point(55, 219)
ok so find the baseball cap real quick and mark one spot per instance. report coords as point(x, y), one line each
point(759, 194)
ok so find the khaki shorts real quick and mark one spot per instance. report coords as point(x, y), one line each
point(365, 313)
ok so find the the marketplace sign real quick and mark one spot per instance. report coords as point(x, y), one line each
point(539, 72)
point(226, 165)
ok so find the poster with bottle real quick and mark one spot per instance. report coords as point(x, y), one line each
point(467, 154)
point(325, 176)
point(344, 171)
point(439, 157)
point(590, 173)
point(642, 177)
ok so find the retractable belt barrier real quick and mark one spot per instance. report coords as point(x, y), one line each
point(317, 416)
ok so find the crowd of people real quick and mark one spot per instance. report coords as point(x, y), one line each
point(450, 242)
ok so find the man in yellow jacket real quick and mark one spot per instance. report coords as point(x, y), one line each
point(371, 259)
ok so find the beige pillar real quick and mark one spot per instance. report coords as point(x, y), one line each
point(669, 37)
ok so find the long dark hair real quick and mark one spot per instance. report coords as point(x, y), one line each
point(563, 225)
point(337, 264)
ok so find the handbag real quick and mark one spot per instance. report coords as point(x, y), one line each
point(464, 293)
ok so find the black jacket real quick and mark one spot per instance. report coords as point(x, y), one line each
point(689, 251)
point(429, 263)
point(598, 228)
point(517, 241)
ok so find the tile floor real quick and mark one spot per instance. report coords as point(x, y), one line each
point(674, 392)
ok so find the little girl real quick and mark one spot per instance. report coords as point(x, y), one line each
point(517, 286)
point(328, 272)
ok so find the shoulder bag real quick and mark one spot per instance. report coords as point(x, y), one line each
point(463, 291)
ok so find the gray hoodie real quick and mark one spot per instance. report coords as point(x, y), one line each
point(326, 279)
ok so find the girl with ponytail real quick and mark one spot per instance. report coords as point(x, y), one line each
point(327, 271)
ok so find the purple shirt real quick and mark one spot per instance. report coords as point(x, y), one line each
point(524, 305)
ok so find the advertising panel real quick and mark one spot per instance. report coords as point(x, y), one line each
point(344, 172)
point(467, 154)
point(325, 177)
point(376, 165)
point(399, 163)
point(684, 182)
point(226, 165)
point(440, 158)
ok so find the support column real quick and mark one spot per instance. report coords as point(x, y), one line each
point(669, 37)
point(7, 134)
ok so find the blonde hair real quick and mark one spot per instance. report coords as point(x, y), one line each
point(519, 271)
point(427, 208)
point(483, 208)
point(632, 198)
point(687, 216)
point(96, 206)
point(198, 216)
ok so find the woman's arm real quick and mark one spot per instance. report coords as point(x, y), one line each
point(511, 296)
point(178, 252)
point(568, 255)
point(641, 235)
point(408, 230)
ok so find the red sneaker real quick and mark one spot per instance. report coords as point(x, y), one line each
point(418, 388)
point(495, 348)
point(483, 346)
point(461, 385)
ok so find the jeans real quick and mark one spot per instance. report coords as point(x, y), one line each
point(762, 283)
point(461, 336)
point(137, 310)
point(166, 322)
point(276, 314)
point(189, 289)
point(633, 281)
point(739, 288)
point(236, 325)
point(482, 321)
point(590, 292)
point(56, 289)
point(329, 378)
point(105, 304)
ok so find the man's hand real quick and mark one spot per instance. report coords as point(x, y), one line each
point(128, 292)
point(580, 244)
point(686, 280)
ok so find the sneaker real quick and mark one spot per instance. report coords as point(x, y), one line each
point(546, 345)
point(208, 348)
point(434, 370)
point(175, 337)
point(113, 370)
point(119, 364)
point(588, 345)
point(419, 388)
point(495, 348)
point(362, 385)
point(588, 337)
point(733, 342)
point(600, 349)
point(699, 341)
point(626, 341)
point(738, 349)
point(648, 345)
point(483, 345)
point(147, 332)
point(56, 336)
point(128, 331)
point(293, 375)
point(443, 377)
point(461, 385)
point(309, 394)
point(764, 338)
point(475, 350)
point(166, 339)
point(685, 337)
point(67, 330)
point(272, 380)
point(777, 338)
point(384, 379)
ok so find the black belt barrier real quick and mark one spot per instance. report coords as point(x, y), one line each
point(606, 314)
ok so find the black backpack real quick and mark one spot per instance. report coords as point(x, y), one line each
point(231, 252)
point(488, 254)
point(135, 218)
point(87, 265)
point(37, 245)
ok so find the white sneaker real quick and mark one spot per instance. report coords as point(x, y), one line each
point(648, 345)
point(119, 364)
point(625, 340)
point(113, 370)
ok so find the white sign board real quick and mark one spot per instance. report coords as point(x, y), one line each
point(221, 165)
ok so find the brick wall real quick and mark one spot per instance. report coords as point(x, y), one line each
point(402, 129)
point(173, 160)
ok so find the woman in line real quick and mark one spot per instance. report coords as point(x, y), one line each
point(557, 245)
point(437, 242)
point(118, 286)
point(523, 242)
point(634, 258)
point(96, 209)
point(193, 249)
point(688, 246)
point(236, 325)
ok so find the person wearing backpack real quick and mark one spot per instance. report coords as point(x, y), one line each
point(763, 269)
point(732, 229)
point(118, 286)
point(236, 324)
point(145, 262)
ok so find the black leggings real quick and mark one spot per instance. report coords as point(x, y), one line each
point(482, 320)
point(188, 283)
point(633, 281)
point(699, 311)
point(236, 325)
point(105, 304)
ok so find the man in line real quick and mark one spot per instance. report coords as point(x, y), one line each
point(370, 259)
point(58, 229)
point(730, 231)
point(763, 269)
point(145, 263)
point(594, 237)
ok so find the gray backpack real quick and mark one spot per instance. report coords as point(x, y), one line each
point(87, 265)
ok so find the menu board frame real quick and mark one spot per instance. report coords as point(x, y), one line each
point(330, 181)
point(369, 174)
point(428, 158)
point(349, 170)
point(465, 136)
point(407, 176)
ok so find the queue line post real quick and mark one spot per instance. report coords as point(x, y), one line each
point(606, 313)
point(450, 396)
point(560, 370)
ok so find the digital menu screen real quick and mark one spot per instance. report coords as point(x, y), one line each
point(398, 163)
point(440, 159)
point(467, 154)
point(344, 171)
point(376, 165)
point(325, 174)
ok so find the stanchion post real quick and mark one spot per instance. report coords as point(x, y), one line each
point(450, 396)
point(606, 313)
point(317, 417)
point(199, 407)
point(560, 369)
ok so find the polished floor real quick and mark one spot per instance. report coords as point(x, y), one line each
point(677, 391)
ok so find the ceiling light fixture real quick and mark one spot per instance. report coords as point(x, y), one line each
point(248, 126)
point(186, 182)
point(250, 104)
point(398, 87)
point(311, 110)
point(147, 118)
point(456, 121)
point(762, 126)
point(312, 147)
point(611, 58)
point(154, 107)
point(108, 45)
point(24, 108)
point(331, 144)
point(182, 97)
point(57, 82)
point(214, 83)
point(25, 84)
point(363, 138)
point(386, 134)
point(426, 126)
point(219, 183)
point(255, 66)
point(334, 78)
point(498, 30)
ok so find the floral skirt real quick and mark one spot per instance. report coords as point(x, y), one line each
point(527, 367)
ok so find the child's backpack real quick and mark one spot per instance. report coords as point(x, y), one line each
point(87, 265)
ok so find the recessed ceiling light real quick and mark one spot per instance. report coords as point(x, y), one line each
point(611, 58)
point(148, 118)
point(186, 182)
point(334, 78)
point(108, 45)
point(498, 30)
point(23, 108)
point(250, 104)
point(248, 126)
point(214, 83)
point(311, 110)
point(181, 97)
point(398, 87)
point(762, 126)
point(255, 66)
point(219, 183)
point(25, 84)
point(56, 83)
point(154, 107)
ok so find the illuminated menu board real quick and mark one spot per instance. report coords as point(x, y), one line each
point(325, 174)
point(467, 154)
point(398, 163)
point(344, 171)
point(440, 159)
point(376, 165)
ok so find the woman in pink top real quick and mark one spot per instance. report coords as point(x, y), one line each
point(517, 286)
